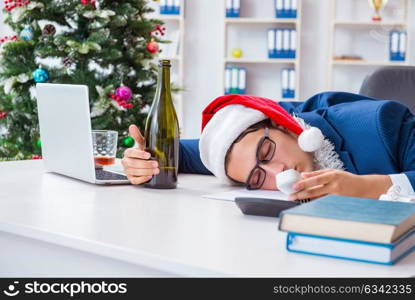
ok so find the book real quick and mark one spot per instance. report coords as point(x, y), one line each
point(351, 218)
point(387, 254)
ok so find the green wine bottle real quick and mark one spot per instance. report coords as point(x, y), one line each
point(162, 132)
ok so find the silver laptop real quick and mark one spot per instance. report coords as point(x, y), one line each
point(65, 131)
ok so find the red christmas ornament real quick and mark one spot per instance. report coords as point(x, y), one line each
point(158, 29)
point(12, 4)
point(3, 114)
point(36, 157)
point(120, 101)
point(87, 2)
point(8, 39)
point(153, 47)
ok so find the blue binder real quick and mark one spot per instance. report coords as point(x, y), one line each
point(163, 7)
point(279, 8)
point(394, 44)
point(176, 7)
point(293, 43)
point(233, 8)
point(272, 51)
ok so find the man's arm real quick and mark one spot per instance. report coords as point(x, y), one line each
point(189, 158)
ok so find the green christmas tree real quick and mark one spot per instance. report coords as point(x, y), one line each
point(110, 46)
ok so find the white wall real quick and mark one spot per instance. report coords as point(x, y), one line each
point(204, 51)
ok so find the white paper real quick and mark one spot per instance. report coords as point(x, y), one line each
point(242, 192)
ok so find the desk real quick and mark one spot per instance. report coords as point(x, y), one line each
point(51, 225)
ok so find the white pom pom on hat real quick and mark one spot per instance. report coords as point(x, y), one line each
point(226, 117)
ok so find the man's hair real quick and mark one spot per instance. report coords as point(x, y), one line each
point(255, 127)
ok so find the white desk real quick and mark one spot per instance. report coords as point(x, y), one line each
point(51, 225)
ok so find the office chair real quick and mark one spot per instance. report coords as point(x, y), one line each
point(391, 83)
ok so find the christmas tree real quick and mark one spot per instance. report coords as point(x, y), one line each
point(107, 45)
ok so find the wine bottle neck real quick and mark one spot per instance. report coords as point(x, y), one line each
point(164, 80)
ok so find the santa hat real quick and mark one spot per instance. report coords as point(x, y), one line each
point(225, 118)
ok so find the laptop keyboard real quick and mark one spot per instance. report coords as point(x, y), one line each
point(101, 174)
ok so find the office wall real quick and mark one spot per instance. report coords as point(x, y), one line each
point(204, 51)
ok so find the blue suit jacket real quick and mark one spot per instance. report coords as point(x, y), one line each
point(371, 136)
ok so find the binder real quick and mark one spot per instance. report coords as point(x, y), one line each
point(236, 8)
point(163, 7)
point(278, 43)
point(402, 46)
point(242, 81)
point(286, 43)
point(284, 83)
point(291, 84)
point(228, 8)
point(234, 81)
point(286, 8)
point(272, 49)
point(176, 7)
point(279, 6)
point(169, 7)
point(293, 43)
point(394, 46)
point(228, 80)
point(293, 9)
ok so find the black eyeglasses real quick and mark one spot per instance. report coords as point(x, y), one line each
point(264, 154)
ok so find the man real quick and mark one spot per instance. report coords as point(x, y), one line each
point(366, 145)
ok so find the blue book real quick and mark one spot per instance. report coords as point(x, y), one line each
point(387, 254)
point(351, 218)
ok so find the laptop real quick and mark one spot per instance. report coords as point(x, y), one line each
point(65, 131)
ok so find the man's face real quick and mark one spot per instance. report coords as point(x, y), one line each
point(288, 155)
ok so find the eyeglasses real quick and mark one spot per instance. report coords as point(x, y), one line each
point(264, 154)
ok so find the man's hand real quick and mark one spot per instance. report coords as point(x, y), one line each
point(328, 181)
point(137, 166)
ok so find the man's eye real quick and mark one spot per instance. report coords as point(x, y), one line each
point(266, 151)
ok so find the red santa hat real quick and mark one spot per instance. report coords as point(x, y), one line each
point(226, 117)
